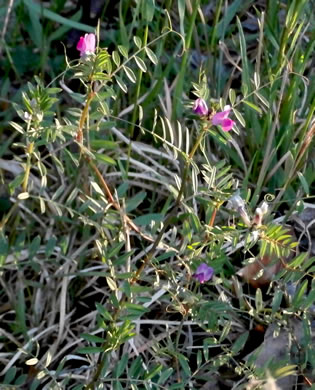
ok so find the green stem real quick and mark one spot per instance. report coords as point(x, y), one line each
point(183, 68)
point(84, 114)
point(134, 114)
point(213, 45)
point(8, 216)
point(281, 55)
point(30, 149)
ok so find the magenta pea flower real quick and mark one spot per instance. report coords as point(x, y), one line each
point(222, 119)
point(86, 45)
point(200, 107)
point(203, 273)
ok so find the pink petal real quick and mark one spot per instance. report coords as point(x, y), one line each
point(86, 44)
point(227, 124)
point(90, 42)
point(81, 45)
point(219, 117)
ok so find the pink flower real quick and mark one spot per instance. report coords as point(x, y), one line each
point(221, 119)
point(86, 44)
point(203, 273)
point(200, 107)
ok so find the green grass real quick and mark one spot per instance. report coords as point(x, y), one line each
point(100, 239)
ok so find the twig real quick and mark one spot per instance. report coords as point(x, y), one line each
point(6, 21)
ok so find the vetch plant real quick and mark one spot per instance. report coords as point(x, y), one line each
point(138, 197)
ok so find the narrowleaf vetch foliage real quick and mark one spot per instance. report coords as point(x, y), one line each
point(151, 241)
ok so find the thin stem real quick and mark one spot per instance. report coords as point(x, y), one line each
point(134, 114)
point(197, 143)
point(79, 136)
point(30, 149)
point(6, 20)
point(211, 222)
point(183, 68)
point(179, 332)
point(8, 215)
point(215, 28)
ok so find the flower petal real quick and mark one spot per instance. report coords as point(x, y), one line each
point(90, 42)
point(81, 45)
point(219, 117)
point(227, 124)
point(203, 267)
point(201, 277)
point(203, 273)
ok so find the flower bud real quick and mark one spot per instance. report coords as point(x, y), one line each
point(200, 107)
point(259, 214)
point(86, 45)
point(236, 203)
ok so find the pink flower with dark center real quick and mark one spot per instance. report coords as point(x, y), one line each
point(200, 107)
point(203, 273)
point(86, 45)
point(222, 119)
